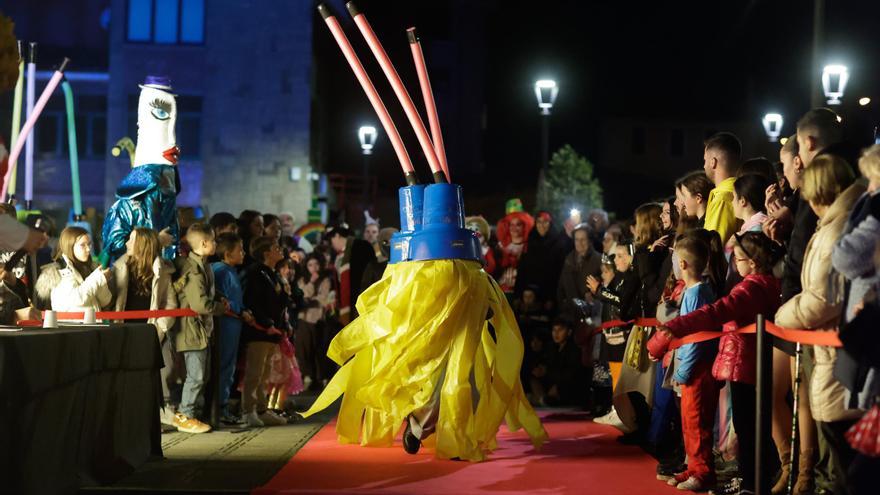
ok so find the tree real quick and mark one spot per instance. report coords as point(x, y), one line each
point(568, 184)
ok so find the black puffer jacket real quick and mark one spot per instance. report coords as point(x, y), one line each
point(265, 297)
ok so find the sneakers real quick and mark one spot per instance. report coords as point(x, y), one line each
point(612, 419)
point(679, 478)
point(269, 418)
point(166, 415)
point(667, 471)
point(230, 419)
point(253, 420)
point(732, 487)
point(693, 484)
point(189, 425)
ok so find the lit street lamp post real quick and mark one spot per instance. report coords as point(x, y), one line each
point(545, 91)
point(772, 126)
point(834, 79)
point(367, 136)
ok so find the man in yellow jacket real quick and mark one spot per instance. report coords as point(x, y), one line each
point(721, 158)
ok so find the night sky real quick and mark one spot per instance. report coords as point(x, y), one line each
point(729, 61)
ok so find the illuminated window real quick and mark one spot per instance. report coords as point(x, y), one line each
point(167, 22)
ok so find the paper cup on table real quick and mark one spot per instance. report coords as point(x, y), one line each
point(89, 316)
point(50, 319)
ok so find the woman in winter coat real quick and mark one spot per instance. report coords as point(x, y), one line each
point(74, 282)
point(829, 189)
point(143, 279)
point(859, 243)
point(581, 263)
point(143, 282)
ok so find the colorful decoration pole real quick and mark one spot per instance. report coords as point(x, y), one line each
point(74, 156)
point(371, 92)
point(400, 90)
point(29, 151)
point(31, 121)
point(428, 96)
point(16, 116)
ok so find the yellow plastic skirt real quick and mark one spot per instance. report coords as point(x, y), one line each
point(422, 318)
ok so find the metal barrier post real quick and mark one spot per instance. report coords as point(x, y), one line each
point(763, 405)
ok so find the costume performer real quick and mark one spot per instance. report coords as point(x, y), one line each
point(147, 196)
point(422, 341)
point(513, 235)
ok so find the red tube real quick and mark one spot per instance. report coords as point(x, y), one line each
point(428, 95)
point(371, 92)
point(391, 73)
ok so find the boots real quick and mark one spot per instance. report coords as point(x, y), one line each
point(782, 483)
point(805, 483)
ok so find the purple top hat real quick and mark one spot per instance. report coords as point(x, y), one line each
point(162, 83)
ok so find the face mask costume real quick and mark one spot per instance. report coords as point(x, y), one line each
point(147, 196)
point(421, 341)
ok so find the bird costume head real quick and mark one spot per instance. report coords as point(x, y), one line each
point(157, 116)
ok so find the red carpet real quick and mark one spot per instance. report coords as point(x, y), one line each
point(581, 457)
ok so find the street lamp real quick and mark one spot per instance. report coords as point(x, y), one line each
point(772, 126)
point(864, 101)
point(545, 91)
point(367, 136)
point(834, 79)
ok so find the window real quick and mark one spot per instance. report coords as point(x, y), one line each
point(48, 134)
point(168, 22)
point(639, 141)
point(676, 142)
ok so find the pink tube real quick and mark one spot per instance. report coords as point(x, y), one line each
point(428, 96)
point(391, 73)
point(29, 125)
point(371, 92)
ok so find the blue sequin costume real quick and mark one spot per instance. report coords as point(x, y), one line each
point(146, 197)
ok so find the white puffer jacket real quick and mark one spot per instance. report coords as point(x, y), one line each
point(73, 293)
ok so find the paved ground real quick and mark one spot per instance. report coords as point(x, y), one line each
point(226, 461)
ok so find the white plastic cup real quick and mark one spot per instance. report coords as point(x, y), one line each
point(89, 316)
point(50, 319)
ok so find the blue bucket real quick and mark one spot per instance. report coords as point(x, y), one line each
point(443, 235)
point(411, 199)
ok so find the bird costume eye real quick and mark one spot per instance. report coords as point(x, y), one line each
point(160, 109)
point(160, 113)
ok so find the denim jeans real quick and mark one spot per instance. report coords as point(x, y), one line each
point(230, 334)
point(196, 369)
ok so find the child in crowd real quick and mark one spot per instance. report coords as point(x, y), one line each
point(619, 297)
point(692, 192)
point(748, 202)
point(758, 293)
point(230, 250)
point(75, 282)
point(143, 282)
point(692, 368)
point(284, 375)
point(195, 290)
point(264, 295)
point(318, 298)
point(555, 381)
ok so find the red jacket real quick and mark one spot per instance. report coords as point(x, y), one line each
point(736, 360)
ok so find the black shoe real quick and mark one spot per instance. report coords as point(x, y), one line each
point(411, 444)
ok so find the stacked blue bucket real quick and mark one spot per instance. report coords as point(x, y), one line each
point(432, 226)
